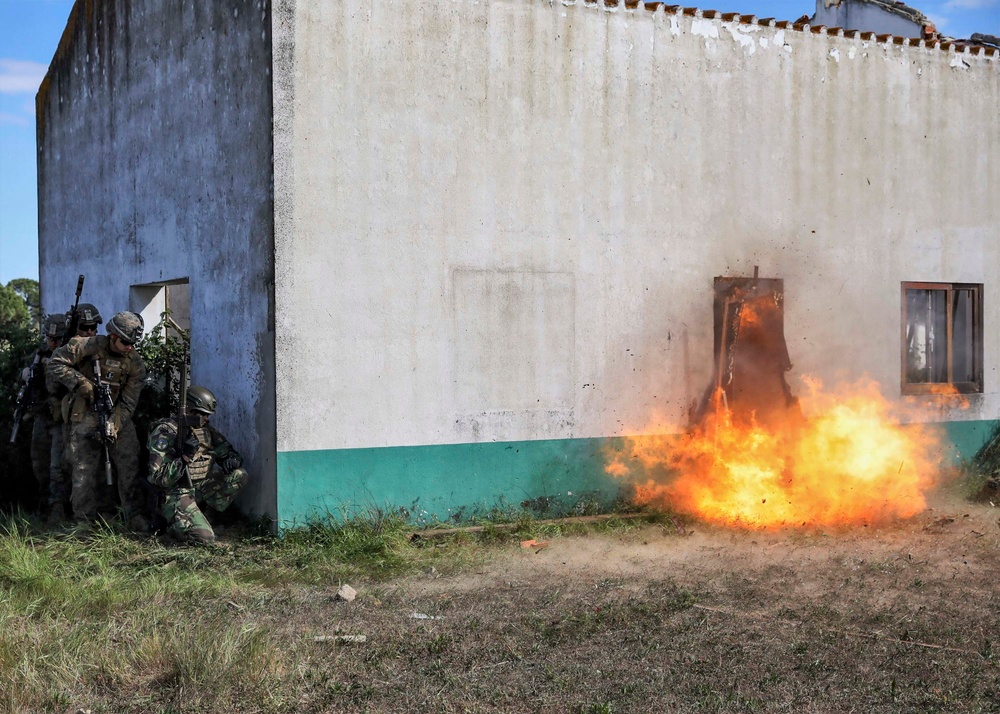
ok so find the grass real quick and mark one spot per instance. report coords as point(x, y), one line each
point(84, 614)
point(104, 621)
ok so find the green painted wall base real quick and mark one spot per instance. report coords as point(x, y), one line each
point(453, 482)
point(457, 482)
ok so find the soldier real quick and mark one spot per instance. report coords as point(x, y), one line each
point(47, 420)
point(61, 472)
point(90, 318)
point(205, 468)
point(123, 371)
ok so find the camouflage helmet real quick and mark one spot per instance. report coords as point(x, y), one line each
point(54, 327)
point(127, 326)
point(200, 399)
point(89, 315)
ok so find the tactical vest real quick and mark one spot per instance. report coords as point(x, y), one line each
point(115, 371)
point(200, 464)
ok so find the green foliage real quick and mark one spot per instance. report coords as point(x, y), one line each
point(27, 290)
point(17, 343)
point(13, 308)
point(164, 350)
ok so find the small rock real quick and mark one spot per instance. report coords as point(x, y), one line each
point(343, 639)
point(346, 593)
point(539, 544)
point(422, 616)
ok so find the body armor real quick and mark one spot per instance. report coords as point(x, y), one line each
point(201, 463)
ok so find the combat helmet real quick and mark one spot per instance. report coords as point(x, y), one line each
point(89, 315)
point(201, 400)
point(54, 327)
point(127, 326)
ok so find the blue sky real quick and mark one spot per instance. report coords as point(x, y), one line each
point(30, 31)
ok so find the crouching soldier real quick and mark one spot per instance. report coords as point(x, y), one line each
point(205, 470)
point(74, 365)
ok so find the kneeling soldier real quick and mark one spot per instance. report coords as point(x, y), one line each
point(204, 469)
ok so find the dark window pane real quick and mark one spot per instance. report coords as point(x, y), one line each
point(963, 337)
point(926, 336)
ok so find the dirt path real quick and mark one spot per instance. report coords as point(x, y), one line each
point(895, 618)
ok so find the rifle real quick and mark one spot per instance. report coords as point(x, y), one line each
point(182, 419)
point(74, 313)
point(27, 395)
point(105, 413)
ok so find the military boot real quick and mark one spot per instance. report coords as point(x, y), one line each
point(57, 514)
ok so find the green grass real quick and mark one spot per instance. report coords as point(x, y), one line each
point(87, 612)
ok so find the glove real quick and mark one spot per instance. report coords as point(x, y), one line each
point(231, 463)
point(86, 390)
point(55, 410)
point(185, 451)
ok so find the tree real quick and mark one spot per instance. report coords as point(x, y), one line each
point(13, 308)
point(27, 289)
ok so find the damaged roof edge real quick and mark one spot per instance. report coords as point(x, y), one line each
point(931, 41)
point(892, 6)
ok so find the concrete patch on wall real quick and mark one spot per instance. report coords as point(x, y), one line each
point(513, 336)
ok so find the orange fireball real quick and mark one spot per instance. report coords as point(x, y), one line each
point(850, 462)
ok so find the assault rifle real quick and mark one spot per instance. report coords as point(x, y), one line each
point(182, 421)
point(27, 395)
point(105, 413)
point(74, 313)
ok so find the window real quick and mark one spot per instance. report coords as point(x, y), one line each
point(942, 338)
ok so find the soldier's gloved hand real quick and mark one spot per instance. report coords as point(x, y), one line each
point(112, 429)
point(86, 390)
point(186, 451)
point(55, 410)
point(232, 463)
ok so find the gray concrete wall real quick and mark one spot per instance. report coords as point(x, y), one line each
point(867, 17)
point(501, 220)
point(154, 158)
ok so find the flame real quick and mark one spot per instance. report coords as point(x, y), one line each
point(948, 396)
point(850, 462)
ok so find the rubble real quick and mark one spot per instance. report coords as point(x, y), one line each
point(346, 593)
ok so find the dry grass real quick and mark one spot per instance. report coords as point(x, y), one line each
point(624, 617)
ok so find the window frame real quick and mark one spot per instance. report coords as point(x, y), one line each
point(974, 387)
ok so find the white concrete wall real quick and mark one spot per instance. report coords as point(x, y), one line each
point(500, 220)
point(154, 156)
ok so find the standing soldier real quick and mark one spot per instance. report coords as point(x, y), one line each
point(204, 468)
point(89, 317)
point(45, 414)
point(121, 369)
point(86, 318)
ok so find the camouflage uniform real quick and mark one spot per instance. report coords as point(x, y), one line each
point(71, 366)
point(41, 430)
point(214, 467)
point(47, 422)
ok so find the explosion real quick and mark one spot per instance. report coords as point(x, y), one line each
point(850, 462)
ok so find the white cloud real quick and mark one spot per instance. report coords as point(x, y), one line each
point(940, 22)
point(970, 4)
point(17, 119)
point(20, 76)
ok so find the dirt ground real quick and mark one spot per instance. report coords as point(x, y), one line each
point(894, 618)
